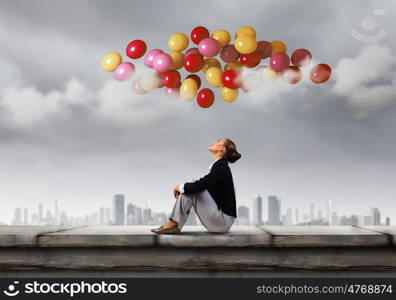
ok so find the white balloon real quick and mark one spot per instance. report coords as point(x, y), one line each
point(149, 81)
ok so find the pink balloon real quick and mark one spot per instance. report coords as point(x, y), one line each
point(162, 62)
point(137, 88)
point(191, 51)
point(279, 61)
point(172, 92)
point(149, 57)
point(124, 71)
point(209, 47)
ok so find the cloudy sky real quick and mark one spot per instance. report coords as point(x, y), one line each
point(69, 131)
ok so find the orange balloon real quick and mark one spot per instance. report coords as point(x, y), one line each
point(278, 46)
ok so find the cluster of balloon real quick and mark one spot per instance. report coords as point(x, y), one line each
point(244, 52)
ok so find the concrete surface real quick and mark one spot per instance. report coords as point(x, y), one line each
point(245, 250)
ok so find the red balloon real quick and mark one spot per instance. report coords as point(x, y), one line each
point(205, 98)
point(136, 49)
point(231, 79)
point(196, 78)
point(229, 54)
point(265, 49)
point(250, 60)
point(320, 73)
point(301, 57)
point(191, 51)
point(198, 34)
point(171, 78)
point(193, 62)
point(279, 61)
point(292, 74)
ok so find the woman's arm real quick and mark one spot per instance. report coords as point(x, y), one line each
point(210, 180)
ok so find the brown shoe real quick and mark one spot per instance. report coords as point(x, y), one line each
point(162, 229)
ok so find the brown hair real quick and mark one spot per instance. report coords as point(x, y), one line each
point(231, 154)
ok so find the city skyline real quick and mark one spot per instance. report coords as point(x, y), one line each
point(122, 212)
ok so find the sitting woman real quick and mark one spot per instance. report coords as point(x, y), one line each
point(213, 196)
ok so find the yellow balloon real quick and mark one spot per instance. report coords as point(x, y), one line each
point(178, 42)
point(278, 46)
point(213, 76)
point(210, 62)
point(229, 95)
point(246, 30)
point(188, 89)
point(177, 60)
point(269, 75)
point(245, 44)
point(233, 66)
point(111, 61)
point(222, 36)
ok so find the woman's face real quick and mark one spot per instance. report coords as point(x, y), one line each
point(217, 146)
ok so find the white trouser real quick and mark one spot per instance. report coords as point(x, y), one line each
point(206, 209)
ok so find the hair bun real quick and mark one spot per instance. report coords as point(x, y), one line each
point(234, 156)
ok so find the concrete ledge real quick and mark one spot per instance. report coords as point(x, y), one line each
point(325, 236)
point(26, 236)
point(248, 249)
point(390, 231)
point(196, 236)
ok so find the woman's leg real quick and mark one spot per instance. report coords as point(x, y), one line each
point(206, 209)
point(181, 209)
point(211, 217)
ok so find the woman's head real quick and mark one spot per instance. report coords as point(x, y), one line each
point(226, 149)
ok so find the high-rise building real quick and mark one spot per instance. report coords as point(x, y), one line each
point(134, 214)
point(298, 216)
point(34, 219)
point(101, 216)
point(283, 220)
point(25, 216)
point(257, 210)
point(107, 216)
point(346, 221)
point(118, 216)
point(320, 215)
point(274, 210)
point(335, 219)
point(376, 215)
point(40, 212)
point(138, 216)
point(368, 220)
point(328, 211)
point(355, 220)
point(387, 221)
point(56, 212)
point(49, 220)
point(289, 217)
point(159, 218)
point(243, 215)
point(312, 211)
point(146, 216)
point(130, 209)
point(17, 216)
point(306, 218)
point(63, 218)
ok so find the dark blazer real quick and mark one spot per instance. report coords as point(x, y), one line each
point(220, 186)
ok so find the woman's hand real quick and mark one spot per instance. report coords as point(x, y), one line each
point(176, 191)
